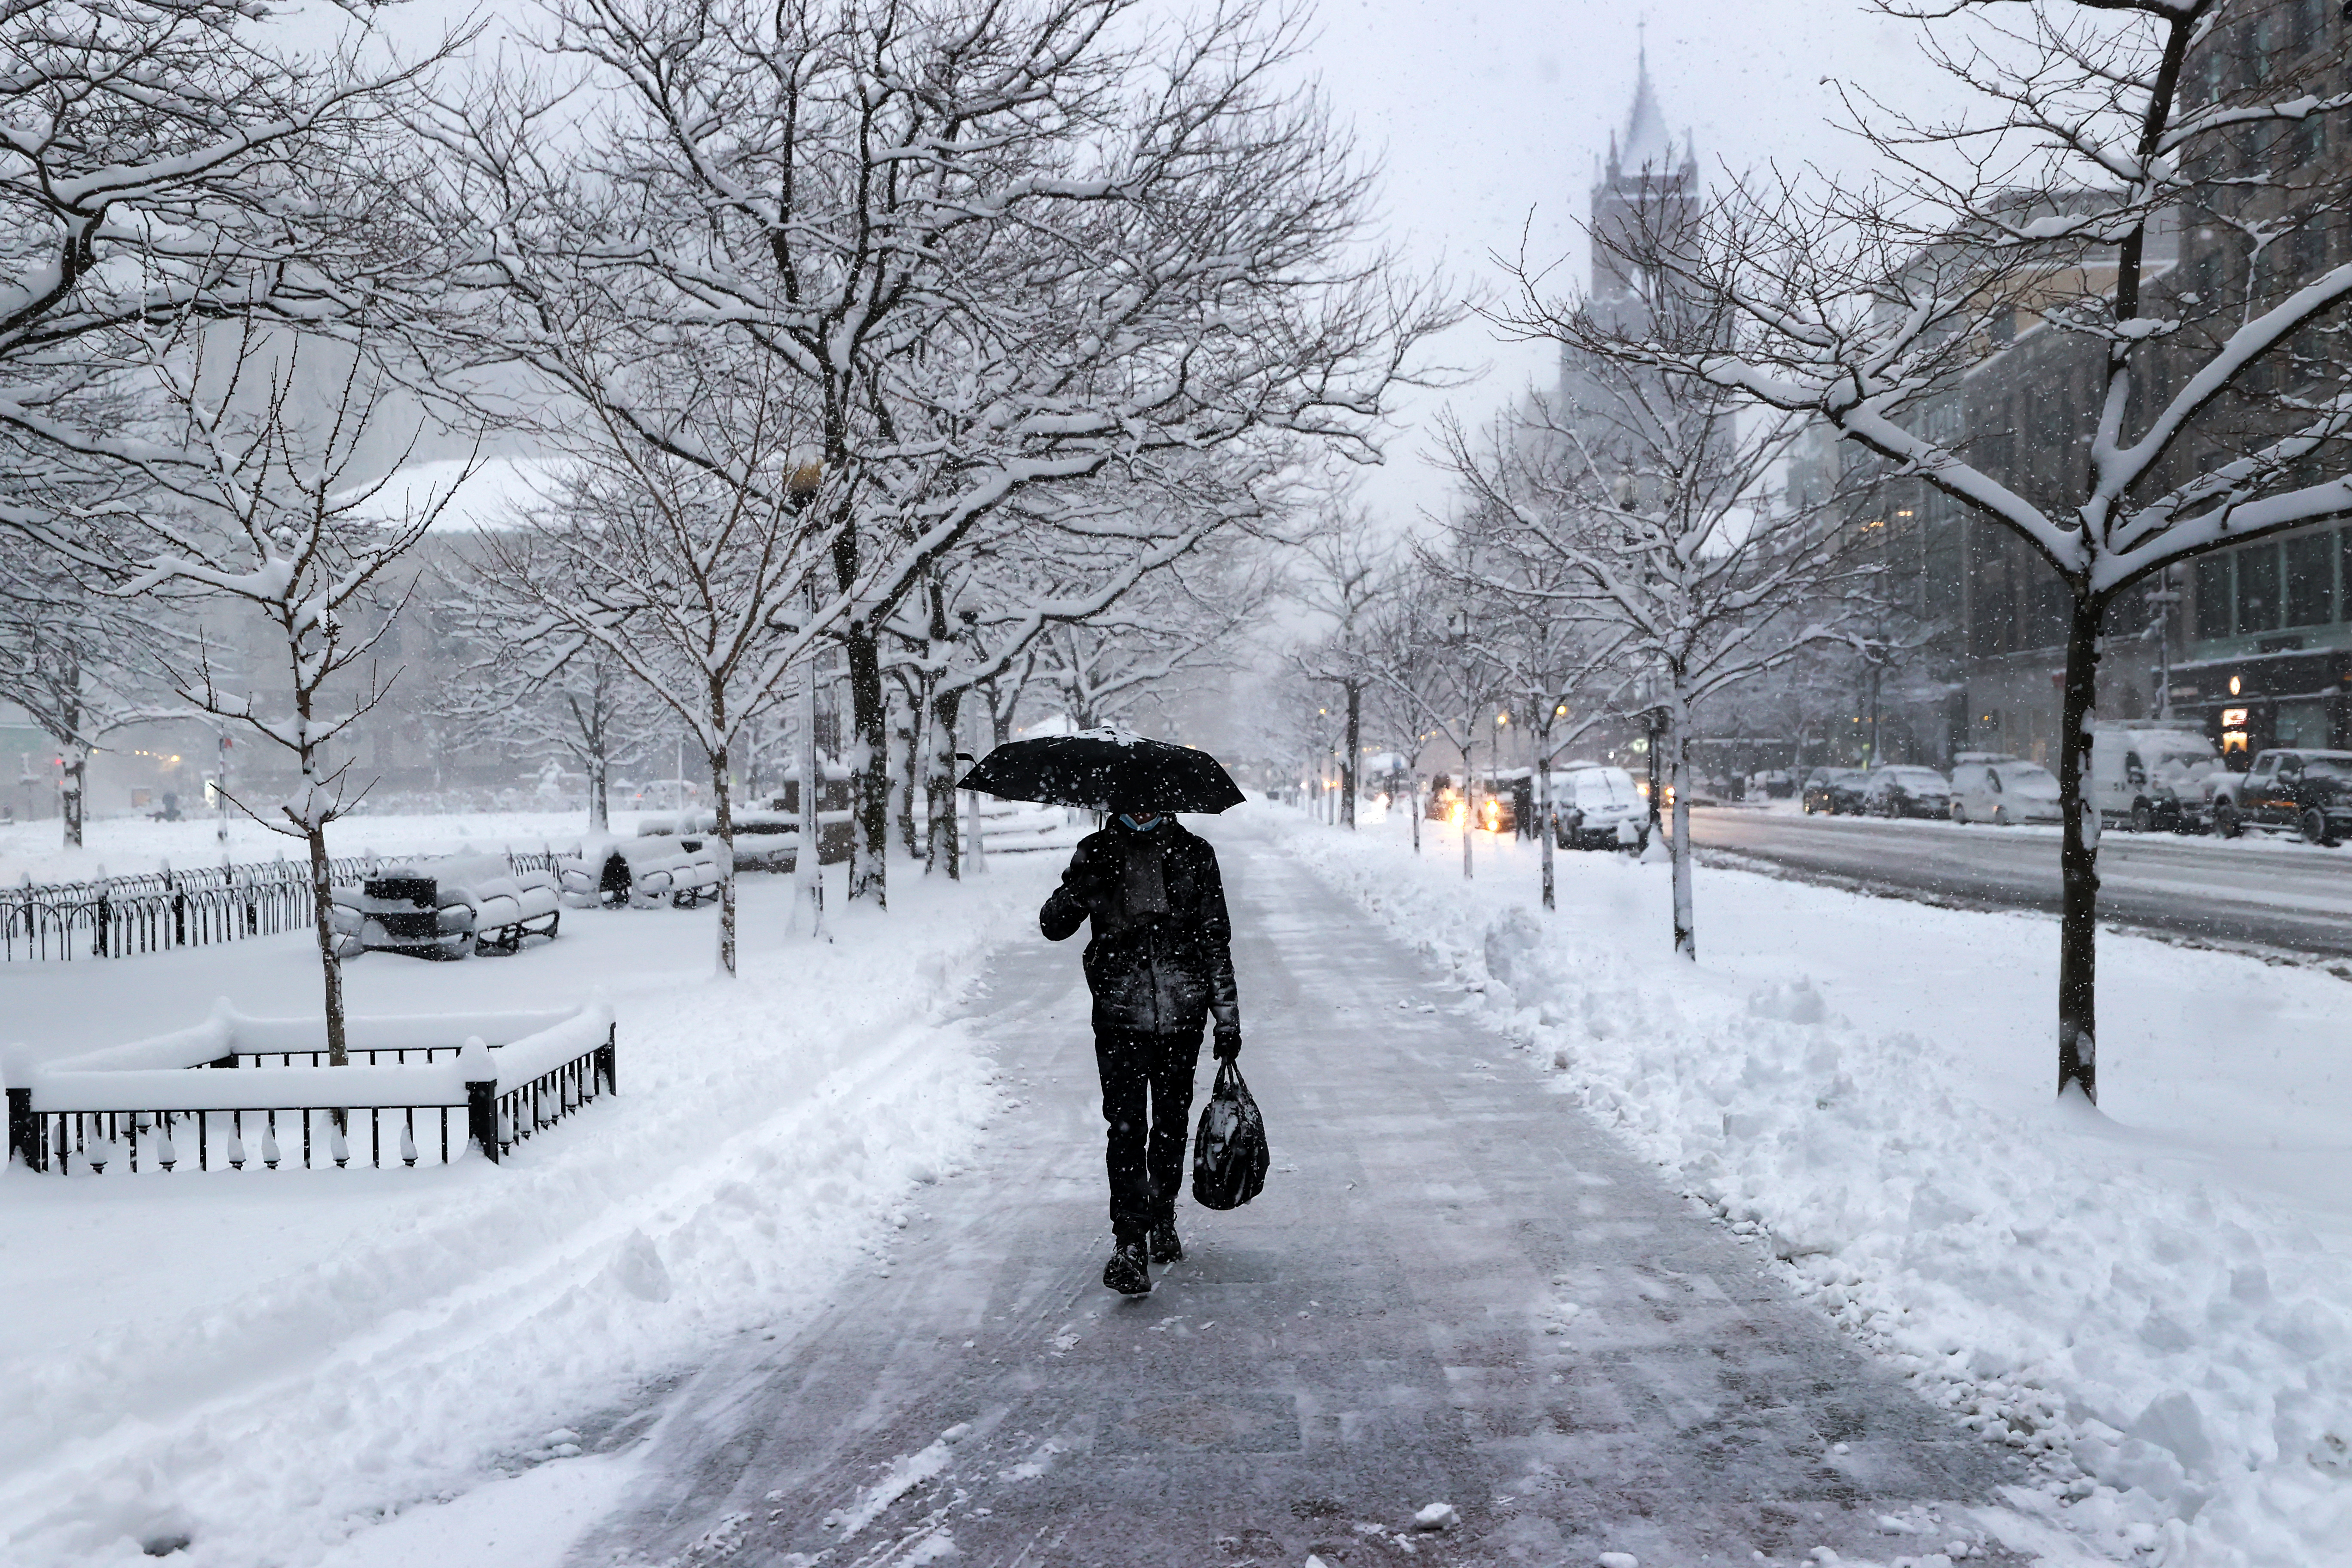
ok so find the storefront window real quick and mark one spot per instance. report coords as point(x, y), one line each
point(2343, 571)
point(2258, 588)
point(2214, 596)
point(2311, 578)
point(2304, 724)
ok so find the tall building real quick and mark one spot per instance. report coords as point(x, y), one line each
point(1648, 185)
point(2254, 641)
point(2261, 637)
point(1648, 188)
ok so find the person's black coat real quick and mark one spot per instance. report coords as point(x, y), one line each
point(1163, 972)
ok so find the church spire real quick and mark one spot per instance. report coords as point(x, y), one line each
point(1647, 143)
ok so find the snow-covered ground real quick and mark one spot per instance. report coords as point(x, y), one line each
point(2152, 1298)
point(315, 1367)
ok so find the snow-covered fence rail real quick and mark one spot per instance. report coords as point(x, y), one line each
point(153, 912)
point(231, 1089)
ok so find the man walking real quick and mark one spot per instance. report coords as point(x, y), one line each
point(1161, 964)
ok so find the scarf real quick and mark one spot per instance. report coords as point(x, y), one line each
point(1142, 878)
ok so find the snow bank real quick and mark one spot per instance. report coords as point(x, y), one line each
point(269, 1365)
point(2173, 1348)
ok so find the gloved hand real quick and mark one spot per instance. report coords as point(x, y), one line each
point(1089, 884)
point(1228, 1044)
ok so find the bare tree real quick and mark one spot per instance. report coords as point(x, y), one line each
point(1410, 679)
point(995, 248)
point(160, 162)
point(260, 506)
point(1439, 673)
point(1563, 674)
point(2094, 129)
point(1180, 620)
point(694, 587)
point(1030, 588)
point(1348, 570)
point(81, 663)
point(1647, 511)
point(554, 694)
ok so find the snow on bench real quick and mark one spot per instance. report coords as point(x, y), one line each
point(508, 1074)
point(448, 907)
point(682, 871)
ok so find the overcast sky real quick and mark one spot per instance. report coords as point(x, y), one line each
point(1486, 118)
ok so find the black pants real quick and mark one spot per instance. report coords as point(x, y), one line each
point(1144, 1073)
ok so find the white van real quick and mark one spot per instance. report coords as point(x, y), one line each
point(2147, 775)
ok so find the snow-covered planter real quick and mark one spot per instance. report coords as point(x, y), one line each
point(448, 909)
point(232, 1086)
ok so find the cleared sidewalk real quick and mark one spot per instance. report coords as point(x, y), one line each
point(1457, 1289)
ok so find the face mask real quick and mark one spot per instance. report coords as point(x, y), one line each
point(1133, 825)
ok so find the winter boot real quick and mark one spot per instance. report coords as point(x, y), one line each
point(1165, 1246)
point(1127, 1272)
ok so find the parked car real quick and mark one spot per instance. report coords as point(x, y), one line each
point(1833, 791)
point(1908, 792)
point(1506, 799)
point(2004, 792)
point(2149, 776)
point(1777, 784)
point(2297, 791)
point(1596, 806)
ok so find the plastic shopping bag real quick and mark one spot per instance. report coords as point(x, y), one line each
point(1229, 1151)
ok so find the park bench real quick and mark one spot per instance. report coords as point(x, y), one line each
point(640, 873)
point(448, 909)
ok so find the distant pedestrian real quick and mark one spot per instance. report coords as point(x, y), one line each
point(1159, 963)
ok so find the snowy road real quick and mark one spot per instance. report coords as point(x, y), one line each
point(1456, 1289)
point(2259, 892)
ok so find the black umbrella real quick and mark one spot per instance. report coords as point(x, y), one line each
point(1105, 770)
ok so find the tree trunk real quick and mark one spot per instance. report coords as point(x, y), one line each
point(1412, 803)
point(1678, 785)
point(330, 967)
point(2078, 868)
point(1469, 803)
point(71, 790)
point(722, 802)
point(1543, 813)
point(1656, 800)
point(600, 805)
point(808, 877)
point(1351, 777)
point(869, 764)
point(906, 768)
point(943, 845)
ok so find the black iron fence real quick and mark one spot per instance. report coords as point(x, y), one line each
point(153, 911)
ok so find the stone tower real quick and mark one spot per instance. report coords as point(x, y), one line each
point(1649, 181)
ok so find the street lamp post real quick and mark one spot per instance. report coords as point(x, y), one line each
point(2163, 596)
point(808, 871)
point(1457, 626)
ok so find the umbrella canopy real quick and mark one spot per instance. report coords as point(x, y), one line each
point(1105, 770)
